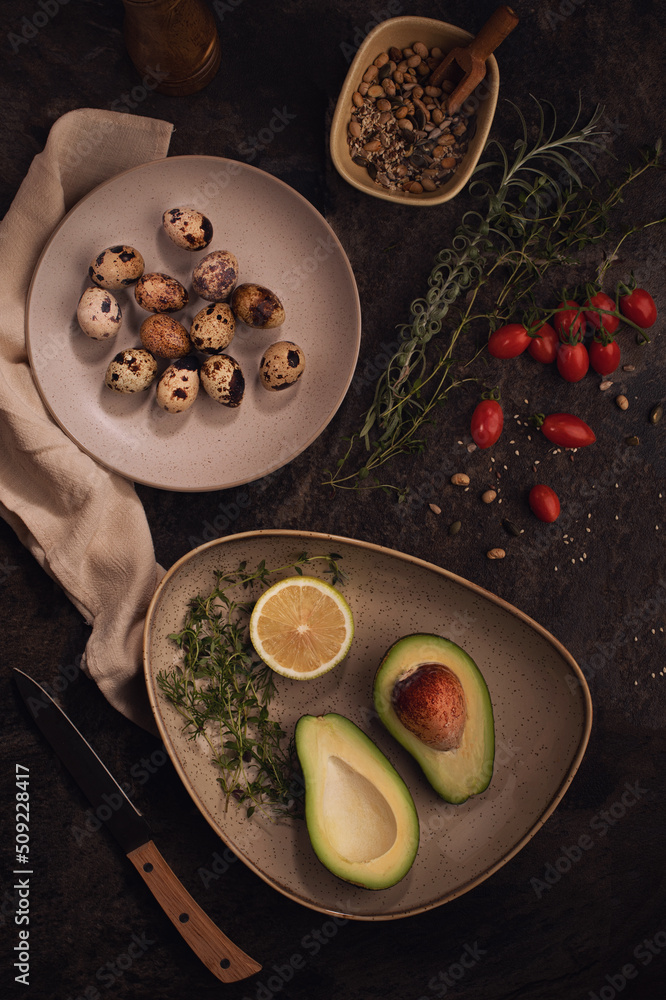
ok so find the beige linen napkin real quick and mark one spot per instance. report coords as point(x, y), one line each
point(85, 525)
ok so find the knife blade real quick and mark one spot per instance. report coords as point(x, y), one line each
point(224, 959)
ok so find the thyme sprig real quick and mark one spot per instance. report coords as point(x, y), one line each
point(539, 213)
point(223, 690)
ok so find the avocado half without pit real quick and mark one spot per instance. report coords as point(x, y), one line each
point(432, 698)
point(360, 815)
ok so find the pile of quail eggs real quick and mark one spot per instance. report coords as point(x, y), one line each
point(196, 356)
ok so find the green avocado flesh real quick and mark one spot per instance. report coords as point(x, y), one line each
point(360, 815)
point(417, 669)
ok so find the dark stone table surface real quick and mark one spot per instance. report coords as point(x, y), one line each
point(599, 930)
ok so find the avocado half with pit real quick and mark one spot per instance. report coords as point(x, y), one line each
point(432, 698)
point(360, 815)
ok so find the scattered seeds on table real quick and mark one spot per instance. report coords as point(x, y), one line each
point(496, 553)
point(633, 440)
point(488, 496)
point(628, 368)
point(605, 385)
point(656, 413)
point(622, 402)
point(455, 527)
point(512, 528)
point(434, 508)
point(460, 479)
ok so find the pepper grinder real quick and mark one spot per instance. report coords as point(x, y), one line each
point(173, 41)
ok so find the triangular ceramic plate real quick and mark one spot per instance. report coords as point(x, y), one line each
point(541, 702)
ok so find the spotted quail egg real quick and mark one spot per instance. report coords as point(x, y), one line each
point(222, 379)
point(160, 293)
point(257, 306)
point(215, 276)
point(165, 337)
point(131, 371)
point(116, 267)
point(188, 228)
point(98, 313)
point(213, 328)
point(179, 385)
point(282, 365)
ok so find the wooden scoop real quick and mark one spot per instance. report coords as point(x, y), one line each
point(472, 59)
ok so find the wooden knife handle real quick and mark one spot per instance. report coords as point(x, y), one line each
point(224, 959)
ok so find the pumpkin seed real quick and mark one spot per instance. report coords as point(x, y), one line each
point(455, 527)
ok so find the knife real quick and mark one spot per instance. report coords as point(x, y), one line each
point(224, 959)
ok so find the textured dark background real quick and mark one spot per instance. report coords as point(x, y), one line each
point(609, 610)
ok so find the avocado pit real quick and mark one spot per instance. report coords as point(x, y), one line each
point(430, 703)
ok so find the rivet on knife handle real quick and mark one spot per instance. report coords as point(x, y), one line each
point(224, 959)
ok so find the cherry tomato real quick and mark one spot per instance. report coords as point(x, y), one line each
point(573, 361)
point(544, 503)
point(566, 430)
point(543, 345)
point(604, 358)
point(639, 307)
point(598, 320)
point(508, 341)
point(567, 323)
point(487, 423)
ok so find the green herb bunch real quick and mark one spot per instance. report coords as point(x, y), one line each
point(536, 211)
point(223, 690)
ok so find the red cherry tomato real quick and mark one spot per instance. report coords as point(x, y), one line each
point(566, 430)
point(543, 345)
point(567, 322)
point(639, 307)
point(604, 358)
point(508, 341)
point(573, 361)
point(487, 423)
point(544, 503)
point(598, 320)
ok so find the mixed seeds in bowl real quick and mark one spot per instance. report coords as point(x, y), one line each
point(399, 128)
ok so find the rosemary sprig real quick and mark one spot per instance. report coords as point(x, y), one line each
point(539, 213)
point(223, 690)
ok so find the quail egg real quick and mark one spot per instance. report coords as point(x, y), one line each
point(282, 365)
point(188, 228)
point(215, 275)
point(179, 385)
point(222, 379)
point(213, 328)
point(98, 313)
point(165, 337)
point(131, 371)
point(160, 293)
point(116, 267)
point(257, 307)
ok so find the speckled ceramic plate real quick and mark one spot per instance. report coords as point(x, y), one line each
point(542, 707)
point(280, 241)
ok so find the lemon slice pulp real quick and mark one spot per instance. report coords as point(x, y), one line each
point(301, 627)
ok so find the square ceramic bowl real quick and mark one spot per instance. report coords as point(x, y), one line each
point(402, 32)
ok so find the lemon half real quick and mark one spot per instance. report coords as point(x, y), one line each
point(301, 627)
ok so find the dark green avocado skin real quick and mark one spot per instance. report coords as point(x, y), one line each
point(454, 774)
